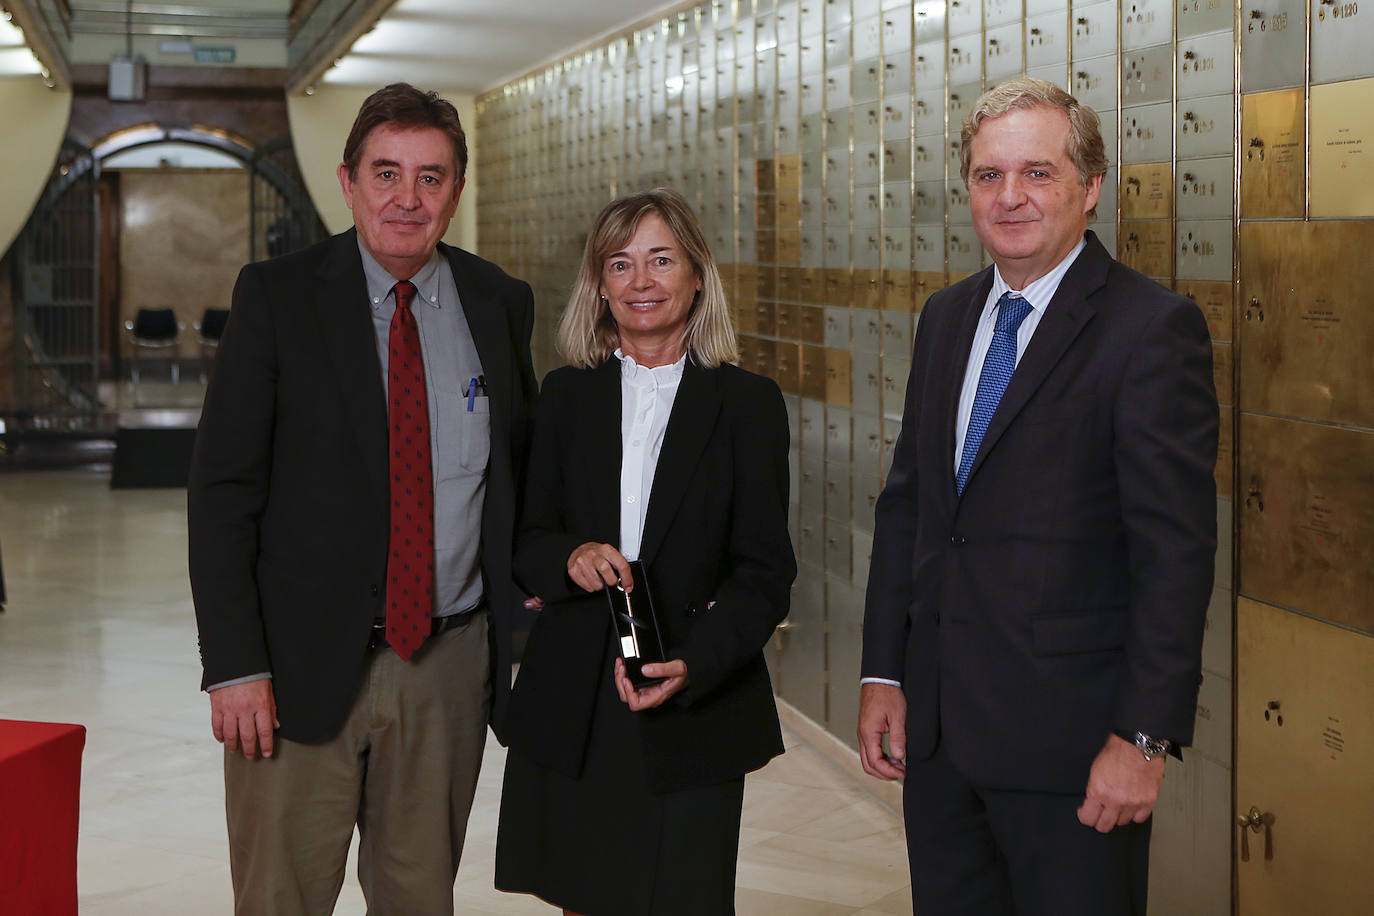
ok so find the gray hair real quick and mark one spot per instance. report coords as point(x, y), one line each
point(1085, 147)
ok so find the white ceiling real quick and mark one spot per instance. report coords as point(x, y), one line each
point(452, 45)
point(472, 45)
point(15, 57)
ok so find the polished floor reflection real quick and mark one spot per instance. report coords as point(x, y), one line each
point(98, 630)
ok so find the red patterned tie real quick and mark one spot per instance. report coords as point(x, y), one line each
point(410, 564)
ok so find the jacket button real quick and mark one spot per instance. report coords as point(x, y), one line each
point(373, 590)
point(956, 539)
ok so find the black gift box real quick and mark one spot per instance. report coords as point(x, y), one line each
point(637, 633)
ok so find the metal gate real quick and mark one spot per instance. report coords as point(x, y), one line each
point(56, 289)
point(283, 218)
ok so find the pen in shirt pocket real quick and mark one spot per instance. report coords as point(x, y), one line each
point(476, 386)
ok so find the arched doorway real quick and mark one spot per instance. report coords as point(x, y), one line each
point(68, 262)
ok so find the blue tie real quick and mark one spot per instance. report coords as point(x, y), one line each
point(998, 366)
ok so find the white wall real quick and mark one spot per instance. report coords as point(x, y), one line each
point(319, 127)
point(36, 121)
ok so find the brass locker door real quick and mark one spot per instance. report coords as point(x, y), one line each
point(1304, 765)
point(1305, 685)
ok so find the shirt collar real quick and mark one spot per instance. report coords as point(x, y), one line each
point(1038, 292)
point(634, 372)
point(380, 282)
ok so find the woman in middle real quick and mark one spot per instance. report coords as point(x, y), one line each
point(649, 446)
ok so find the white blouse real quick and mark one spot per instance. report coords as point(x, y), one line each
point(646, 400)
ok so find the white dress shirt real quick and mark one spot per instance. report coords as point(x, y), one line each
point(646, 400)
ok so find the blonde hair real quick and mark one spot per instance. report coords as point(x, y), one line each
point(1085, 133)
point(587, 332)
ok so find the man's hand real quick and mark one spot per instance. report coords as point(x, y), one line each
point(1122, 786)
point(882, 711)
point(656, 695)
point(243, 717)
point(594, 566)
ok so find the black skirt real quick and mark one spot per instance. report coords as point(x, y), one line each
point(603, 844)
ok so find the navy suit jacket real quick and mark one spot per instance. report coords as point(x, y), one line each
point(288, 494)
point(1063, 595)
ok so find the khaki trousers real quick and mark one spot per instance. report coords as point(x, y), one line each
point(403, 769)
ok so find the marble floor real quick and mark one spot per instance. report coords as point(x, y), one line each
point(98, 630)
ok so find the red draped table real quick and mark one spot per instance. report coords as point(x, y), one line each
point(40, 793)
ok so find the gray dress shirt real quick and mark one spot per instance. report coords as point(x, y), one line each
point(459, 424)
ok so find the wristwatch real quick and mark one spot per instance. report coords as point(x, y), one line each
point(1152, 747)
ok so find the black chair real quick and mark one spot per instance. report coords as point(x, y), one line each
point(154, 329)
point(209, 329)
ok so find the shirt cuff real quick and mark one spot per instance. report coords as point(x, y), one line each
point(881, 680)
point(261, 676)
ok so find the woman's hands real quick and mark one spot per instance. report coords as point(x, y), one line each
point(656, 695)
point(594, 566)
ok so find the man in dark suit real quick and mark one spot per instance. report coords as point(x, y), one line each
point(1043, 549)
point(351, 501)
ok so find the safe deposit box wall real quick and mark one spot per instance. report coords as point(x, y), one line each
point(819, 142)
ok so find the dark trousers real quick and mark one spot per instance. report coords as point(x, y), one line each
point(983, 852)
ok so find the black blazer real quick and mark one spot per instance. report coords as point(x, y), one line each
point(1063, 595)
point(288, 489)
point(716, 530)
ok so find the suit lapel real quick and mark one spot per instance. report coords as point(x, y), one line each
point(599, 430)
point(486, 323)
point(344, 320)
point(1062, 322)
point(689, 427)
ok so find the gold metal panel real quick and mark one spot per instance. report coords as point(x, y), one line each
point(748, 350)
point(766, 246)
point(765, 211)
point(812, 324)
point(1147, 191)
point(765, 283)
point(789, 246)
point(812, 285)
point(1221, 368)
point(868, 289)
point(789, 210)
point(1223, 472)
point(1272, 177)
point(763, 357)
point(837, 382)
point(789, 283)
point(924, 284)
point(767, 320)
point(1304, 756)
point(813, 372)
point(787, 366)
point(746, 279)
point(1306, 509)
point(838, 287)
point(1215, 301)
point(788, 174)
point(788, 321)
point(746, 315)
point(1148, 246)
point(765, 177)
point(1305, 321)
point(897, 290)
point(1342, 152)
